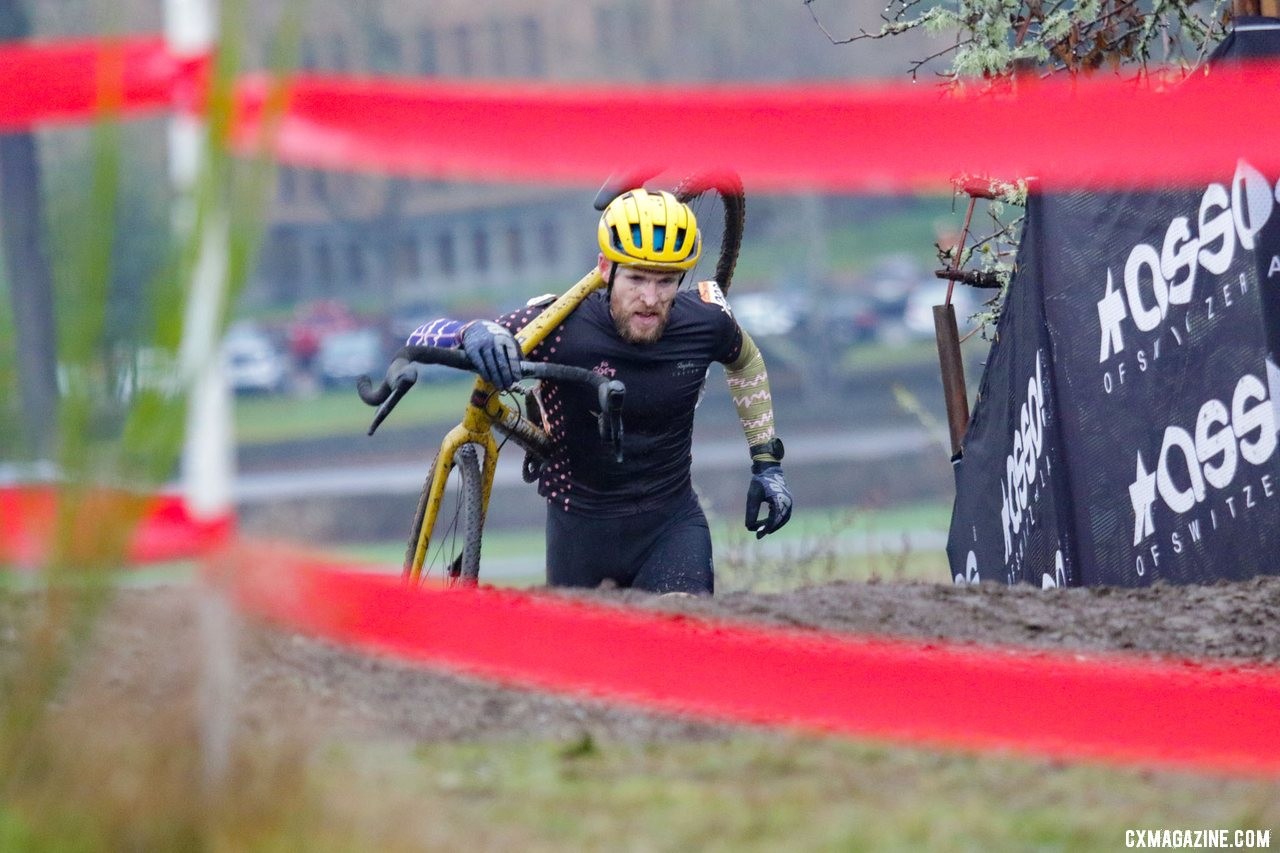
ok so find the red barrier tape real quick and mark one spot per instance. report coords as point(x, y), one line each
point(167, 529)
point(875, 137)
point(75, 81)
point(1177, 714)
point(1103, 133)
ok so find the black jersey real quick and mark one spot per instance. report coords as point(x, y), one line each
point(663, 380)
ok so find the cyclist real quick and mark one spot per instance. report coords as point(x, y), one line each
point(636, 523)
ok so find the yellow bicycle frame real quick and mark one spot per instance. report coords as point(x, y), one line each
point(478, 421)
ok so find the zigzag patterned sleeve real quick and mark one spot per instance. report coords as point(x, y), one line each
point(444, 332)
point(438, 333)
point(749, 387)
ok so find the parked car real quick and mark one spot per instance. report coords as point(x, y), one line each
point(917, 315)
point(251, 361)
point(849, 318)
point(344, 356)
point(313, 322)
point(764, 314)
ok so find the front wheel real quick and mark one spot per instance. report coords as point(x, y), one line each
point(453, 549)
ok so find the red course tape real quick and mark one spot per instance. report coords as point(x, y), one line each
point(865, 137)
point(75, 81)
point(164, 528)
point(862, 137)
point(1202, 715)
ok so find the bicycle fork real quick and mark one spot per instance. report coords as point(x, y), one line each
point(471, 431)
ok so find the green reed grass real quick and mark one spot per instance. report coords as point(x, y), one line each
point(116, 434)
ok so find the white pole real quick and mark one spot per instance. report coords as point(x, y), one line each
point(207, 459)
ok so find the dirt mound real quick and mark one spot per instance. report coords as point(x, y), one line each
point(145, 654)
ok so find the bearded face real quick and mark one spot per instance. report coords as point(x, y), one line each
point(641, 301)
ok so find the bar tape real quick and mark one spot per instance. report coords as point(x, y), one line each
point(163, 527)
point(1102, 132)
point(1174, 714)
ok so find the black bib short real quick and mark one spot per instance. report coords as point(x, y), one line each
point(658, 550)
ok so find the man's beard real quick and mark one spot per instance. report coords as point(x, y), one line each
point(631, 336)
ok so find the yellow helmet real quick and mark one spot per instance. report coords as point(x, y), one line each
point(650, 229)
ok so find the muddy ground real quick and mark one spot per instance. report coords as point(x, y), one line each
point(145, 653)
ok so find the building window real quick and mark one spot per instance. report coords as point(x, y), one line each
point(534, 51)
point(308, 59)
point(338, 48)
point(324, 267)
point(355, 263)
point(408, 260)
point(287, 184)
point(447, 254)
point(549, 243)
point(480, 249)
point(464, 51)
point(318, 184)
point(385, 52)
point(288, 261)
point(515, 247)
point(498, 49)
point(609, 26)
point(428, 60)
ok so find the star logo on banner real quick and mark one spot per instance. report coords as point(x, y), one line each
point(1142, 494)
point(1111, 311)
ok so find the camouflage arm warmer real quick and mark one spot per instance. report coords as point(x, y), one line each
point(749, 386)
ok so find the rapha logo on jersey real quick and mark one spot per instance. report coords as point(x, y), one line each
point(1201, 477)
point(1158, 297)
point(685, 368)
point(710, 292)
point(604, 369)
point(1026, 468)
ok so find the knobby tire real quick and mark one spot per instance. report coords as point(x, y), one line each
point(728, 187)
point(462, 567)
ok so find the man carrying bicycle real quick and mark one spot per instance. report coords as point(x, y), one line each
point(636, 523)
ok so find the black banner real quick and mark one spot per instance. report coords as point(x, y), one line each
point(1012, 509)
point(1126, 426)
point(1155, 312)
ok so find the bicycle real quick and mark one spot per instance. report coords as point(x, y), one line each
point(487, 412)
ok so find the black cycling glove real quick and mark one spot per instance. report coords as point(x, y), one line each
point(767, 486)
point(494, 352)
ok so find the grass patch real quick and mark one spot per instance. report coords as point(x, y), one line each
point(825, 545)
point(751, 791)
point(855, 247)
point(756, 792)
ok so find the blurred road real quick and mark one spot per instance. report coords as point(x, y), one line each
point(708, 456)
point(372, 499)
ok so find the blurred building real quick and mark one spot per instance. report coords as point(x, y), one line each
point(389, 243)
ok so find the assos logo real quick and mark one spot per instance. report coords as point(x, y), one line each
point(1022, 463)
point(1157, 280)
point(1190, 464)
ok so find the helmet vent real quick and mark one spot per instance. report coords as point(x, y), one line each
point(659, 237)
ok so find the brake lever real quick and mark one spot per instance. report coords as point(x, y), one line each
point(406, 380)
point(612, 395)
